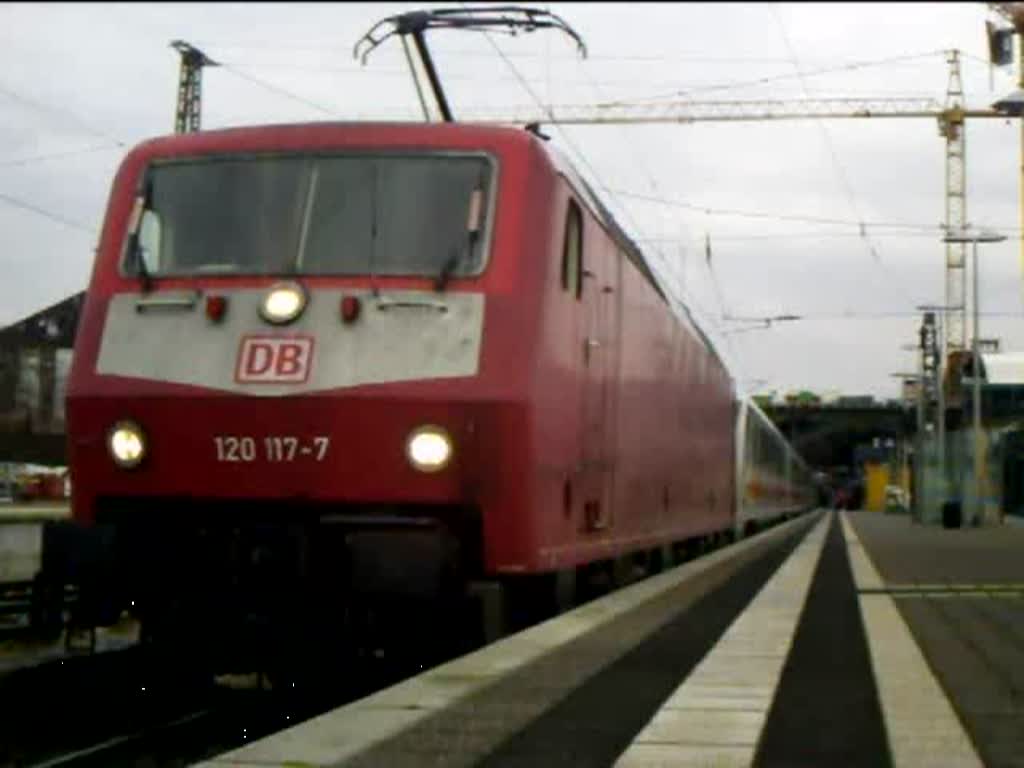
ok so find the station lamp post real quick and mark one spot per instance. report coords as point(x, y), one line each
point(919, 379)
point(940, 393)
point(974, 237)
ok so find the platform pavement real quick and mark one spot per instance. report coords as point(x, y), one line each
point(909, 651)
point(21, 534)
point(961, 593)
point(902, 644)
point(570, 691)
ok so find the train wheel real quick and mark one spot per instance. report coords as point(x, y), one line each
point(655, 561)
point(488, 610)
point(624, 571)
point(678, 553)
point(516, 603)
point(694, 547)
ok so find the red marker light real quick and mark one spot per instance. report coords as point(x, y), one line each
point(216, 306)
point(350, 308)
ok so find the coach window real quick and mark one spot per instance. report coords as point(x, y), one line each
point(572, 251)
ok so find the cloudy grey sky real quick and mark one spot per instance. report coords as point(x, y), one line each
point(79, 84)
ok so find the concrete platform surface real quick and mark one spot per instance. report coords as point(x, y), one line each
point(961, 593)
point(573, 690)
point(867, 641)
point(908, 553)
point(726, 699)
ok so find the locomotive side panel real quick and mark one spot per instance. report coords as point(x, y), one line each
point(631, 410)
point(569, 392)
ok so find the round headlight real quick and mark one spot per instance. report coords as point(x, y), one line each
point(429, 449)
point(283, 303)
point(127, 444)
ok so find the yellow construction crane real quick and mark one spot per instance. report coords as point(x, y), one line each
point(1000, 53)
point(950, 117)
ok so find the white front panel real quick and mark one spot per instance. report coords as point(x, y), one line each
point(399, 336)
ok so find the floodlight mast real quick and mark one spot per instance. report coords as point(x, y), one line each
point(511, 19)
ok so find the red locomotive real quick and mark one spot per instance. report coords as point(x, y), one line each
point(330, 365)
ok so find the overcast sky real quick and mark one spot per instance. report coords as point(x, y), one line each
point(80, 84)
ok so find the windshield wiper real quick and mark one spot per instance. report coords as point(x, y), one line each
point(450, 265)
point(295, 264)
point(472, 233)
point(374, 289)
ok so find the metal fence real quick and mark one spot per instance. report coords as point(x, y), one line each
point(953, 481)
point(33, 381)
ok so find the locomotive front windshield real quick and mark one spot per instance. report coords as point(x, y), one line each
point(338, 215)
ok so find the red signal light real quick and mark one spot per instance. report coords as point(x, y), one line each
point(216, 307)
point(350, 309)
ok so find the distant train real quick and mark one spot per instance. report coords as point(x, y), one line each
point(328, 375)
point(772, 481)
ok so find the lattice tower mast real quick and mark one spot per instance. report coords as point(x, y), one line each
point(951, 127)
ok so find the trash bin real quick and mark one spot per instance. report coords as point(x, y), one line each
point(951, 514)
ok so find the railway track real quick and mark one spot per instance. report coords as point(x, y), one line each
point(16, 603)
point(125, 708)
point(106, 751)
point(225, 719)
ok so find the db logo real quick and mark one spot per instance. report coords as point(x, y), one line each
point(274, 360)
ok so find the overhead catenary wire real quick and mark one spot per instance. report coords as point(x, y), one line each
point(687, 56)
point(63, 113)
point(66, 117)
point(284, 92)
point(279, 90)
point(935, 229)
point(738, 84)
point(22, 204)
point(631, 148)
point(716, 325)
point(59, 155)
point(479, 76)
point(685, 91)
point(881, 315)
point(745, 213)
point(795, 236)
point(586, 163)
point(837, 165)
point(456, 76)
point(981, 60)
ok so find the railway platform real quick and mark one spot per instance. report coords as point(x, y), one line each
point(837, 638)
point(21, 527)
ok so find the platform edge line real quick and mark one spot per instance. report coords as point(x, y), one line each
point(899, 663)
